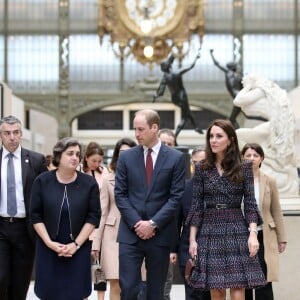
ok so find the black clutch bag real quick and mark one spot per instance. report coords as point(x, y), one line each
point(189, 267)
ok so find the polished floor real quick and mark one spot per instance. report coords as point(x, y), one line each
point(289, 276)
point(177, 293)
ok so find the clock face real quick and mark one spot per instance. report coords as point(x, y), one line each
point(164, 14)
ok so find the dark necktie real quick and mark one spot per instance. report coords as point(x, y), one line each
point(11, 187)
point(149, 166)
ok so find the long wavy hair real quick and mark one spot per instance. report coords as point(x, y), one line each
point(124, 141)
point(232, 162)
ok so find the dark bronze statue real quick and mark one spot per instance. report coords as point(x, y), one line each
point(233, 80)
point(173, 80)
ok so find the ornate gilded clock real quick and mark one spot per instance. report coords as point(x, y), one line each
point(172, 23)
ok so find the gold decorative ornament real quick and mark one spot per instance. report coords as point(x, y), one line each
point(160, 26)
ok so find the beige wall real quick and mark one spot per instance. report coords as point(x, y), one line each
point(44, 130)
point(288, 286)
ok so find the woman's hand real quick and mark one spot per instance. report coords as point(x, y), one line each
point(193, 250)
point(55, 246)
point(95, 254)
point(253, 244)
point(281, 247)
point(68, 250)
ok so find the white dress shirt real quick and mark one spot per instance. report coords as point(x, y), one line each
point(154, 153)
point(21, 213)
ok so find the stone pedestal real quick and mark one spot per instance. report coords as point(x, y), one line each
point(290, 205)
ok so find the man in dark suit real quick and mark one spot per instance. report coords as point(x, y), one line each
point(148, 204)
point(198, 154)
point(16, 235)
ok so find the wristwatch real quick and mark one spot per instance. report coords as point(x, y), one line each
point(153, 224)
point(77, 245)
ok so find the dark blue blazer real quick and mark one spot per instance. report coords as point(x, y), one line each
point(159, 201)
point(47, 199)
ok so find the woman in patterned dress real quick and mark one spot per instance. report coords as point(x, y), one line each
point(222, 236)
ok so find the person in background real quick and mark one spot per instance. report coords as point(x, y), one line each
point(167, 137)
point(105, 239)
point(198, 154)
point(149, 186)
point(222, 236)
point(64, 210)
point(92, 165)
point(272, 232)
point(92, 162)
point(16, 234)
point(49, 162)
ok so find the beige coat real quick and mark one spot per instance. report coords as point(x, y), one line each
point(273, 226)
point(105, 237)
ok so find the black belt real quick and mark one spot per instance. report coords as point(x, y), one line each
point(12, 219)
point(223, 205)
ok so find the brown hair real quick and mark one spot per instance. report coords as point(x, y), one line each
point(125, 141)
point(152, 116)
point(61, 147)
point(256, 147)
point(232, 162)
point(91, 149)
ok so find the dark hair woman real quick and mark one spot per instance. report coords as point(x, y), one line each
point(227, 237)
point(105, 238)
point(64, 210)
point(272, 232)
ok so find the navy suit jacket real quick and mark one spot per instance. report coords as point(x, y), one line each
point(32, 164)
point(159, 201)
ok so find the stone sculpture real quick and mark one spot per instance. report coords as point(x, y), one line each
point(266, 99)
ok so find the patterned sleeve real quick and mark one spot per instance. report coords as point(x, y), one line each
point(251, 210)
point(195, 214)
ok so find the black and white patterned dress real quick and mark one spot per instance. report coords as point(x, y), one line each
point(223, 255)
